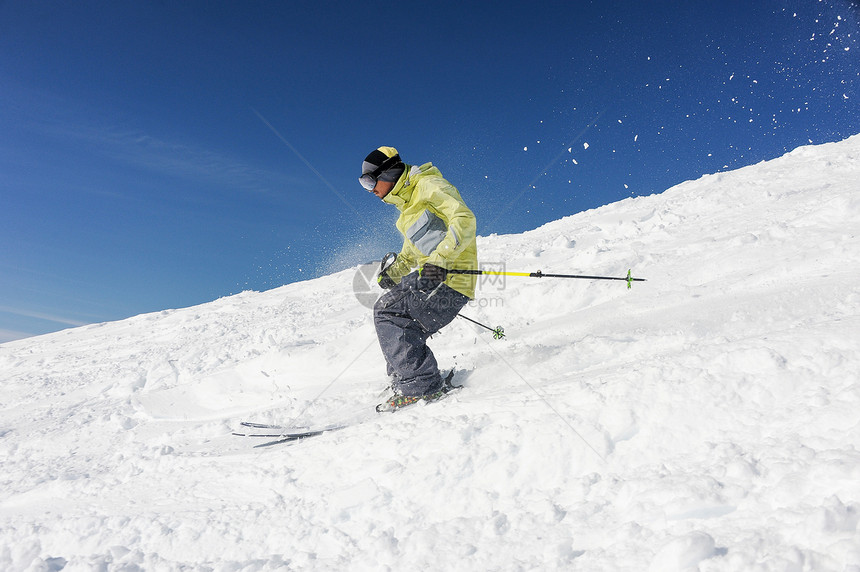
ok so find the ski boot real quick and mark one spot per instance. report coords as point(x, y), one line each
point(401, 401)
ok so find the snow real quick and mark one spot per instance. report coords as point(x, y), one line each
point(707, 419)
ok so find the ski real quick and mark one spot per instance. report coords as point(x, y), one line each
point(290, 438)
point(261, 425)
point(283, 430)
point(280, 434)
point(285, 436)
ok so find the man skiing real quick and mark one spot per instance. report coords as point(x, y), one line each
point(422, 296)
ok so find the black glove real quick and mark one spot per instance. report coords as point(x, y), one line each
point(431, 276)
point(384, 280)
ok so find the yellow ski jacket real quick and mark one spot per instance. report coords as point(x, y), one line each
point(437, 226)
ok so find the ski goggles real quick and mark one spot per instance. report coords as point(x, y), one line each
point(368, 180)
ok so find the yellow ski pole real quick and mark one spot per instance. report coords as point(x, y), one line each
point(629, 278)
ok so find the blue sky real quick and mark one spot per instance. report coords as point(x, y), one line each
point(157, 155)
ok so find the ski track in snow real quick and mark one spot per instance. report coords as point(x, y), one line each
point(708, 419)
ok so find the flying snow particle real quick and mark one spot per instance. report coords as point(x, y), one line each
point(585, 145)
point(636, 138)
point(525, 148)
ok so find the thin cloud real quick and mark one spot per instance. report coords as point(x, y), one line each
point(173, 159)
point(52, 116)
point(12, 335)
point(24, 313)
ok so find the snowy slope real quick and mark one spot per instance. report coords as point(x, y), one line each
point(706, 419)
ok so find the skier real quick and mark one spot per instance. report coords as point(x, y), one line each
point(422, 297)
